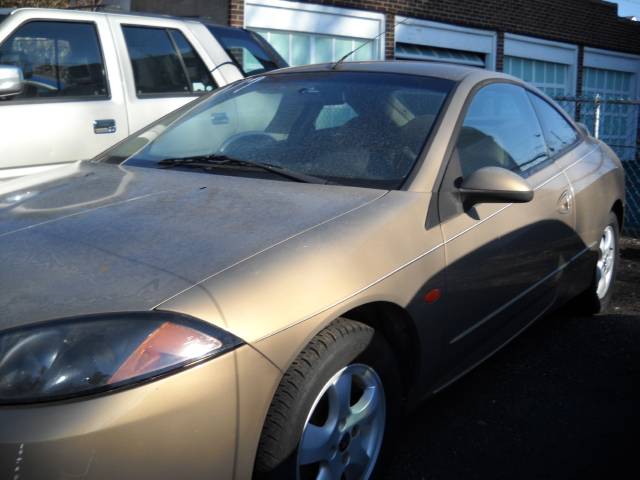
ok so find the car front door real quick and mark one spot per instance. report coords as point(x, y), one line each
point(72, 105)
point(503, 259)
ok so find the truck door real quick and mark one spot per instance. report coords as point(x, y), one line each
point(163, 64)
point(72, 105)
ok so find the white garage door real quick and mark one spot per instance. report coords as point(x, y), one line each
point(305, 48)
point(550, 77)
point(618, 123)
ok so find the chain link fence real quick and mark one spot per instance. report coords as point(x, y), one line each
point(616, 121)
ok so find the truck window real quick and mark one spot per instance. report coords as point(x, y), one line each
point(250, 52)
point(197, 71)
point(58, 60)
point(164, 62)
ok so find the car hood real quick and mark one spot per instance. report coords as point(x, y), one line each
point(89, 238)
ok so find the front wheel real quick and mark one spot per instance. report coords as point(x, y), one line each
point(332, 408)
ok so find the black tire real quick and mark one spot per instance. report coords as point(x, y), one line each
point(589, 302)
point(342, 343)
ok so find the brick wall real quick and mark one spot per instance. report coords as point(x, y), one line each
point(591, 23)
point(236, 13)
point(216, 10)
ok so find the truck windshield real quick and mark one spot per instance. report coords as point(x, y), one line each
point(251, 53)
point(350, 128)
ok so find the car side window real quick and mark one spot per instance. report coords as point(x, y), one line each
point(59, 60)
point(557, 130)
point(501, 129)
point(164, 62)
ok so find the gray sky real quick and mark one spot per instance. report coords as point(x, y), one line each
point(628, 8)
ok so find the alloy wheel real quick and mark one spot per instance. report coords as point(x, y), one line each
point(606, 262)
point(345, 427)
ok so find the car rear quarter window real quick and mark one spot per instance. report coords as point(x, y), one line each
point(164, 62)
point(559, 133)
point(58, 60)
point(501, 129)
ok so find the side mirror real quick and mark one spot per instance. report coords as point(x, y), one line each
point(11, 80)
point(495, 185)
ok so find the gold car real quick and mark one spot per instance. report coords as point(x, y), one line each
point(260, 283)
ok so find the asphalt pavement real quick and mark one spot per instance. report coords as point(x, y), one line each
point(562, 401)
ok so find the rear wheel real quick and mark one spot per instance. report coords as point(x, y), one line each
point(332, 408)
point(597, 298)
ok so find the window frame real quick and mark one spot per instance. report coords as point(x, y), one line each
point(46, 100)
point(433, 212)
point(451, 149)
point(183, 66)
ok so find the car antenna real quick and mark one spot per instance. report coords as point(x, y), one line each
point(344, 57)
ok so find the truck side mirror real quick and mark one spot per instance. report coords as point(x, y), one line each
point(11, 81)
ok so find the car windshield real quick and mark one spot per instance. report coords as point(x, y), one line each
point(248, 50)
point(2, 17)
point(360, 129)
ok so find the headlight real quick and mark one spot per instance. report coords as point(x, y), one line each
point(85, 355)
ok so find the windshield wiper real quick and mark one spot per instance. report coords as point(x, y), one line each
point(216, 160)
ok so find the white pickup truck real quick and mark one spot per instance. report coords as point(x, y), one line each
point(73, 83)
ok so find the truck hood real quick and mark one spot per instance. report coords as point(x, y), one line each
point(89, 238)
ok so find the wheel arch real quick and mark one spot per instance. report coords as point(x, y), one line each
point(397, 327)
point(618, 209)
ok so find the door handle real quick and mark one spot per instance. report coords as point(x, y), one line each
point(565, 202)
point(104, 126)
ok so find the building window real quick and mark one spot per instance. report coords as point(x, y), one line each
point(304, 33)
point(305, 48)
point(440, 42)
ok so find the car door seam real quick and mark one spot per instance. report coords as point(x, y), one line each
point(519, 296)
point(398, 269)
point(353, 294)
point(538, 187)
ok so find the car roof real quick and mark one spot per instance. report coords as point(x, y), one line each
point(446, 71)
